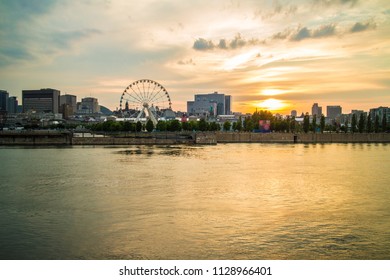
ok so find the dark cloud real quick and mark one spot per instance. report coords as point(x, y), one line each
point(305, 33)
point(335, 2)
point(202, 44)
point(301, 34)
point(222, 44)
point(359, 27)
point(324, 31)
point(237, 42)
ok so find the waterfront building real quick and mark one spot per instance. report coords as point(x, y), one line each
point(332, 112)
point(41, 101)
point(4, 100)
point(210, 104)
point(88, 105)
point(12, 105)
point(68, 102)
point(316, 110)
point(380, 112)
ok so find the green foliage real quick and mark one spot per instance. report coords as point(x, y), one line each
point(384, 123)
point(353, 123)
point(173, 125)
point(226, 126)
point(239, 124)
point(248, 124)
point(376, 124)
point(138, 126)
point(149, 126)
point(161, 126)
point(214, 126)
point(306, 123)
point(362, 123)
point(202, 125)
point(322, 123)
point(314, 123)
point(369, 123)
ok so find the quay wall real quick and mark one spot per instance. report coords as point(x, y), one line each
point(202, 138)
point(248, 137)
point(35, 138)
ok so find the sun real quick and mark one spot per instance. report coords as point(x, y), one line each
point(271, 104)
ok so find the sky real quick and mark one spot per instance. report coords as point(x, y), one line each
point(267, 54)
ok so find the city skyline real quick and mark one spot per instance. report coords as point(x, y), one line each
point(275, 55)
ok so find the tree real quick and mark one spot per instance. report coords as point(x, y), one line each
point(174, 125)
point(353, 123)
point(202, 125)
point(226, 126)
point(239, 124)
point(214, 126)
point(306, 123)
point(138, 126)
point(248, 124)
point(362, 122)
point(161, 126)
point(322, 123)
point(376, 124)
point(384, 123)
point(127, 126)
point(293, 124)
point(314, 123)
point(186, 126)
point(369, 124)
point(149, 125)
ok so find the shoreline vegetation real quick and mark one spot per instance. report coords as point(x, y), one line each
point(58, 137)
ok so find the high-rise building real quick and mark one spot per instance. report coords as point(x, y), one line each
point(12, 105)
point(316, 110)
point(380, 112)
point(332, 112)
point(88, 105)
point(42, 100)
point(68, 102)
point(210, 103)
point(4, 100)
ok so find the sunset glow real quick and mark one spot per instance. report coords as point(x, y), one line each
point(271, 105)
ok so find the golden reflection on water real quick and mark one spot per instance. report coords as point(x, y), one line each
point(233, 201)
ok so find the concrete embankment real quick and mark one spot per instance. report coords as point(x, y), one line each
point(202, 138)
point(35, 137)
point(247, 137)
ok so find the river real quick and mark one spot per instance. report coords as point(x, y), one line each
point(229, 201)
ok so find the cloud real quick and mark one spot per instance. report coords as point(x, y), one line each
point(236, 43)
point(186, 62)
point(359, 27)
point(301, 34)
point(202, 44)
point(305, 33)
point(335, 2)
point(324, 31)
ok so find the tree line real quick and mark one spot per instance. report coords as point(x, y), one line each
point(252, 123)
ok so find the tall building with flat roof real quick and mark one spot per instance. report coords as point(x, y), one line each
point(332, 112)
point(4, 100)
point(316, 110)
point(88, 105)
point(210, 103)
point(12, 105)
point(70, 102)
point(42, 100)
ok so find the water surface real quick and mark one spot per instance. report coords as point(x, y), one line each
point(230, 201)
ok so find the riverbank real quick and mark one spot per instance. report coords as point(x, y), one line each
point(48, 137)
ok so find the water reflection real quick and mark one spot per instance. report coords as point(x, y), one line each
point(231, 201)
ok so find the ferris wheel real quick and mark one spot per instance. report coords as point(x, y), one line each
point(144, 99)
